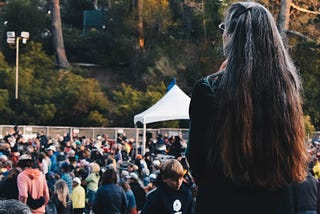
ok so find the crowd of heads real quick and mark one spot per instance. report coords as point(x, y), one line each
point(115, 161)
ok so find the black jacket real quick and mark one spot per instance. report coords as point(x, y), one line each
point(59, 206)
point(217, 193)
point(139, 194)
point(165, 200)
point(306, 194)
point(9, 189)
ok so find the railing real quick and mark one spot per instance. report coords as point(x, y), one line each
point(55, 131)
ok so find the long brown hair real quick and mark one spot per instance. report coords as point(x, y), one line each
point(260, 129)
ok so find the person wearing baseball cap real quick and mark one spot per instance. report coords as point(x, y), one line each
point(78, 196)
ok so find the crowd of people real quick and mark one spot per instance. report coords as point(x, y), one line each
point(246, 146)
point(72, 174)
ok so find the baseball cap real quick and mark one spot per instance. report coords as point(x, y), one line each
point(77, 180)
point(52, 148)
point(153, 177)
point(133, 176)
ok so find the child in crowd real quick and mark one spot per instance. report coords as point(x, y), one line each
point(171, 195)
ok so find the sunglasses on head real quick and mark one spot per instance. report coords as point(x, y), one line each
point(221, 27)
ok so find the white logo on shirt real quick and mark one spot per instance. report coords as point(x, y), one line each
point(177, 206)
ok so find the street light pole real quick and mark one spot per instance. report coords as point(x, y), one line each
point(17, 70)
point(12, 39)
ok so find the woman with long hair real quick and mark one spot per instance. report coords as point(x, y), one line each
point(61, 198)
point(246, 141)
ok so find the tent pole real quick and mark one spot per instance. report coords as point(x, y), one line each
point(144, 139)
point(137, 139)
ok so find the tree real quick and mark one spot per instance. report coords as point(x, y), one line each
point(126, 103)
point(140, 25)
point(6, 111)
point(79, 101)
point(72, 12)
point(50, 97)
point(58, 43)
point(28, 19)
point(129, 101)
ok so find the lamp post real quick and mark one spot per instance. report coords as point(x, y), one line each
point(12, 39)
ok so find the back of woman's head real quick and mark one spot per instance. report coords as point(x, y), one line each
point(109, 177)
point(62, 191)
point(260, 120)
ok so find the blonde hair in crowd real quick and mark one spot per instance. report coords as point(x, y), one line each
point(61, 189)
point(95, 168)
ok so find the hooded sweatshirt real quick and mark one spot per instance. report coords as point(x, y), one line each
point(34, 182)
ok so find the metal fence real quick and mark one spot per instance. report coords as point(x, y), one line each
point(55, 131)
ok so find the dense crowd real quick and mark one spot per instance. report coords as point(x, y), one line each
point(77, 169)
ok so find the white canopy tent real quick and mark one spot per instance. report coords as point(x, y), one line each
point(174, 105)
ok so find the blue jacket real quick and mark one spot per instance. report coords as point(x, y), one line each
point(110, 199)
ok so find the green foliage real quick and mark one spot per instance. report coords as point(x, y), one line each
point(310, 71)
point(309, 128)
point(126, 103)
point(129, 102)
point(5, 110)
point(180, 41)
point(79, 100)
point(97, 119)
point(44, 112)
point(97, 47)
point(29, 18)
point(51, 97)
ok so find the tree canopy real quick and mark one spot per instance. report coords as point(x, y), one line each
point(143, 45)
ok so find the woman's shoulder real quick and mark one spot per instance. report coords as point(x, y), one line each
point(206, 86)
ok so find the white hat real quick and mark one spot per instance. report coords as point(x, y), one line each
point(145, 171)
point(77, 180)
point(156, 163)
point(153, 177)
point(71, 152)
point(133, 176)
point(52, 148)
point(3, 158)
point(124, 173)
point(25, 157)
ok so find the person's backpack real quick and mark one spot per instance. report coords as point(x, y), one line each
point(35, 203)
